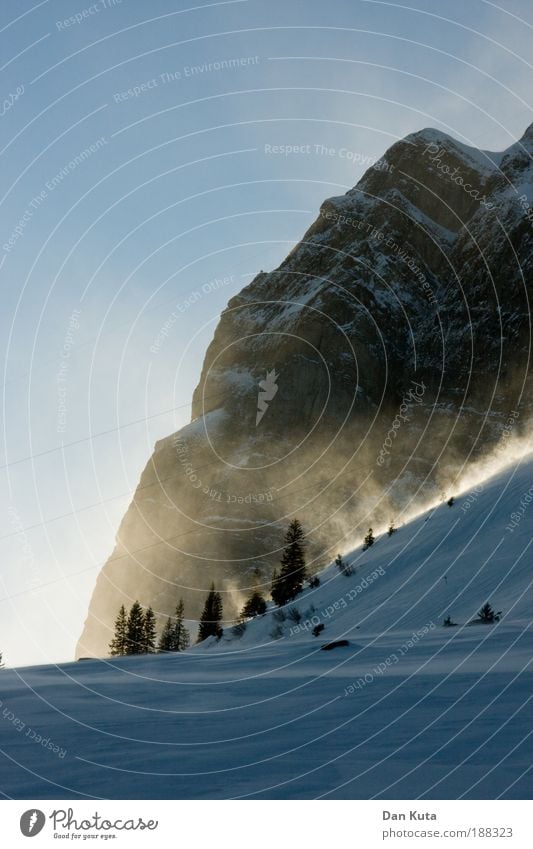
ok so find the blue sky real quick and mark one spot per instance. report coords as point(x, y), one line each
point(137, 168)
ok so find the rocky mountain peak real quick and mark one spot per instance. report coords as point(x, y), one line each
point(408, 293)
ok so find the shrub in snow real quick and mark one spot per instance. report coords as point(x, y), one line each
point(318, 629)
point(276, 633)
point(448, 623)
point(294, 614)
point(343, 567)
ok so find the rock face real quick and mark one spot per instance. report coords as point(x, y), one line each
point(390, 348)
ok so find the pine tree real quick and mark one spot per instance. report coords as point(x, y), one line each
point(292, 575)
point(166, 640)
point(149, 632)
point(180, 636)
point(117, 646)
point(369, 539)
point(211, 616)
point(255, 606)
point(135, 630)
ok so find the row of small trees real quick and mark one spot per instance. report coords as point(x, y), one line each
point(135, 632)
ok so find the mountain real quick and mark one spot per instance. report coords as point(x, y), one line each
point(408, 710)
point(388, 350)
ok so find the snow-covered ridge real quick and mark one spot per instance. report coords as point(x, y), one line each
point(446, 561)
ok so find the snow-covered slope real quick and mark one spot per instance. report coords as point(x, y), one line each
point(408, 709)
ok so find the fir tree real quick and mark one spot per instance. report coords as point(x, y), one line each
point(166, 640)
point(369, 539)
point(135, 630)
point(117, 646)
point(292, 574)
point(487, 614)
point(211, 616)
point(149, 633)
point(255, 606)
point(180, 636)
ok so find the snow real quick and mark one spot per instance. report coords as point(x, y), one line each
point(484, 161)
point(442, 714)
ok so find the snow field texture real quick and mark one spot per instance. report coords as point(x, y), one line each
point(409, 709)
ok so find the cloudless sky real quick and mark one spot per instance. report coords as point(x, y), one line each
point(176, 206)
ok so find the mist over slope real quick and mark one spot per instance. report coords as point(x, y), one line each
point(389, 349)
point(409, 709)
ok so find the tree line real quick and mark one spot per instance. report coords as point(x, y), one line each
point(135, 631)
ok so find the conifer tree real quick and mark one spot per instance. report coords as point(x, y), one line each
point(135, 630)
point(211, 616)
point(166, 640)
point(255, 606)
point(291, 578)
point(117, 646)
point(180, 635)
point(149, 632)
point(369, 539)
point(392, 530)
